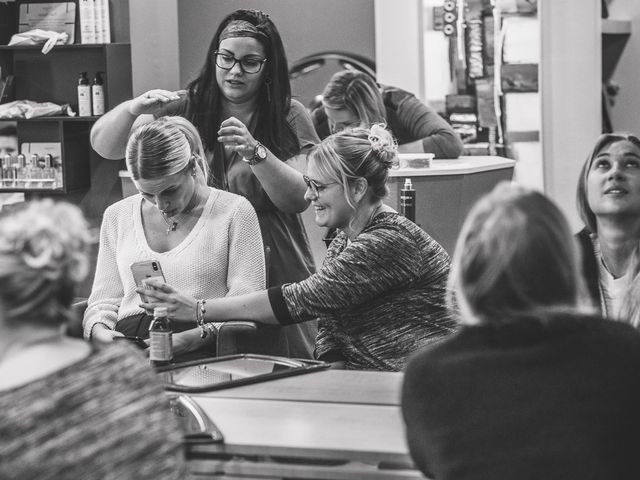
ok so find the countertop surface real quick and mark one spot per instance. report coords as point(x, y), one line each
point(456, 166)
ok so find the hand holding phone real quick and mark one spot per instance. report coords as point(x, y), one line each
point(144, 270)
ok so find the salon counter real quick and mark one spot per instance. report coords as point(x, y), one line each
point(446, 191)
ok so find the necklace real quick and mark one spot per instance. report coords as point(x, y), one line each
point(173, 222)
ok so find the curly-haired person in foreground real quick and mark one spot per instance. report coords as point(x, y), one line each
point(70, 409)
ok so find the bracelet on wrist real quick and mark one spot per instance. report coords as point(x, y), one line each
point(200, 312)
point(210, 328)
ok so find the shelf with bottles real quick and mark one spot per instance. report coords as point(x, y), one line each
point(66, 171)
point(36, 173)
point(54, 77)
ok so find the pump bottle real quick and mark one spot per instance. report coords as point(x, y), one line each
point(97, 94)
point(160, 338)
point(84, 95)
point(408, 200)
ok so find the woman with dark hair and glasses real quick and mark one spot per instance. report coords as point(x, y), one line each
point(379, 295)
point(608, 197)
point(254, 135)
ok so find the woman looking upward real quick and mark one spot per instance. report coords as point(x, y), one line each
point(609, 205)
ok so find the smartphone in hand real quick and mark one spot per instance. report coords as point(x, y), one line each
point(144, 270)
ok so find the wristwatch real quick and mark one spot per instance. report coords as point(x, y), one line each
point(259, 154)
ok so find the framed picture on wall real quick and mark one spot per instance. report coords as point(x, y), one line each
point(57, 17)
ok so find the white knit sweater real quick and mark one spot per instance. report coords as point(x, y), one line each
point(222, 256)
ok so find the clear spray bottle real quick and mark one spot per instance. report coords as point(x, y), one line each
point(408, 200)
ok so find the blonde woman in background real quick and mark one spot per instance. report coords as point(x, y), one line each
point(609, 204)
point(533, 385)
point(70, 409)
point(353, 98)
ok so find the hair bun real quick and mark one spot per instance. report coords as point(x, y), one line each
point(383, 145)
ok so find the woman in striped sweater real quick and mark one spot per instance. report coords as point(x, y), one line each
point(379, 295)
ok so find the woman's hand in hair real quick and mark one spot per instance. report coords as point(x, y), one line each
point(150, 102)
point(236, 137)
point(180, 306)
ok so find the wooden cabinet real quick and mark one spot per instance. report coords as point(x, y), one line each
point(54, 78)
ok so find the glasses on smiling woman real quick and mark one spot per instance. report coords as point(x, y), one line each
point(248, 65)
point(315, 186)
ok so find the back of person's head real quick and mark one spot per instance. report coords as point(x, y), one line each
point(164, 147)
point(357, 92)
point(603, 141)
point(44, 255)
point(515, 257)
point(356, 153)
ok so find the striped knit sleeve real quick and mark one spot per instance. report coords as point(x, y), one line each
point(379, 260)
point(106, 417)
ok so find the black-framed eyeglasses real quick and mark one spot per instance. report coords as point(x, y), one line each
point(314, 186)
point(248, 65)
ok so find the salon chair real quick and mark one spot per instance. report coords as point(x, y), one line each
point(309, 74)
point(233, 337)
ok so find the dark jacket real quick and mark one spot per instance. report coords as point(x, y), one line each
point(542, 398)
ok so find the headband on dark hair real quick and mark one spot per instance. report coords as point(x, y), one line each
point(239, 28)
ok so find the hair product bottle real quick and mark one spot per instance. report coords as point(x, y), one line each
point(57, 171)
point(84, 95)
point(97, 94)
point(160, 338)
point(408, 200)
point(7, 174)
point(22, 172)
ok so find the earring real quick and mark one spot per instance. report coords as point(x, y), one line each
point(267, 83)
point(193, 171)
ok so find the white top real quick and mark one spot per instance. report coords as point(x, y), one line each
point(613, 291)
point(457, 166)
point(223, 255)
